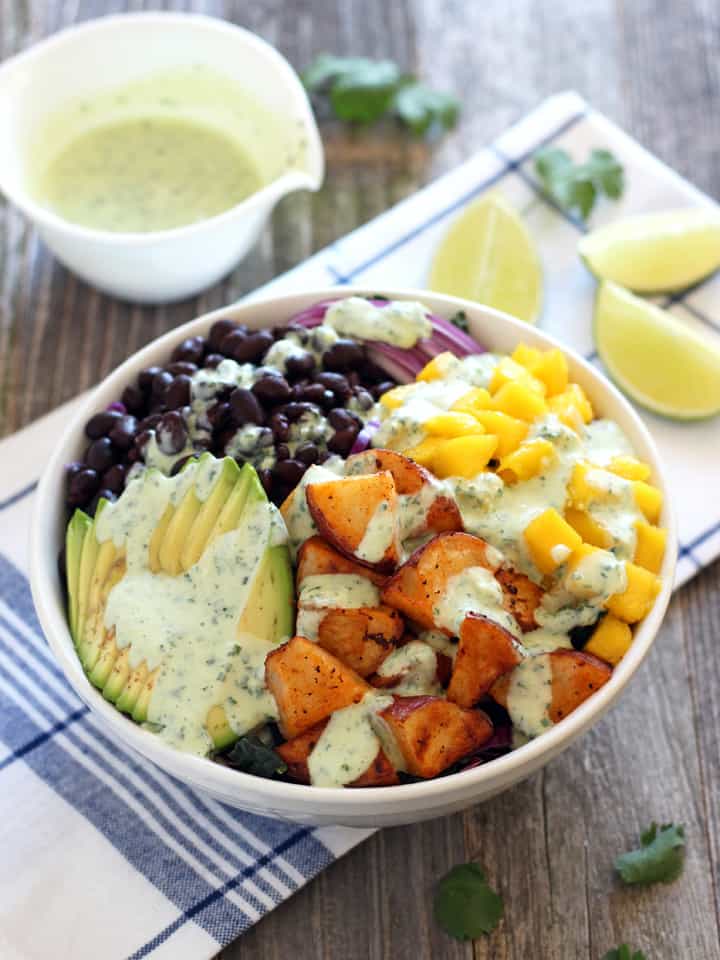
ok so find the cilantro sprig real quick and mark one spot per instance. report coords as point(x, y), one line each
point(623, 953)
point(576, 186)
point(363, 91)
point(466, 906)
point(659, 859)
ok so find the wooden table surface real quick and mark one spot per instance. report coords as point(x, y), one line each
point(548, 844)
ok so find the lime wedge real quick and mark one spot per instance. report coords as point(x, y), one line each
point(488, 255)
point(658, 361)
point(656, 253)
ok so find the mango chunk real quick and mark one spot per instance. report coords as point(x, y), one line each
point(453, 425)
point(550, 540)
point(510, 431)
point(572, 406)
point(650, 546)
point(438, 367)
point(553, 371)
point(392, 399)
point(463, 456)
point(520, 401)
point(424, 451)
point(610, 641)
point(476, 399)
point(649, 499)
point(528, 460)
point(589, 484)
point(629, 468)
point(588, 528)
point(637, 599)
point(527, 356)
point(508, 371)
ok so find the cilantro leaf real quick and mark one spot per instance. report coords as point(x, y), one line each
point(659, 859)
point(251, 755)
point(361, 90)
point(576, 186)
point(460, 320)
point(623, 953)
point(465, 905)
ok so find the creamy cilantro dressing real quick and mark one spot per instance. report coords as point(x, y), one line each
point(380, 534)
point(545, 641)
point(186, 625)
point(615, 510)
point(475, 590)
point(329, 591)
point(440, 642)
point(415, 665)
point(300, 524)
point(348, 744)
point(398, 322)
point(580, 597)
point(530, 695)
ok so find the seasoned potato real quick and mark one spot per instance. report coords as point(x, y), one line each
point(296, 753)
point(432, 733)
point(343, 510)
point(317, 558)
point(575, 677)
point(309, 684)
point(521, 597)
point(361, 637)
point(485, 652)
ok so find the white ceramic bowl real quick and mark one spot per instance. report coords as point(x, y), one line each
point(375, 806)
point(112, 52)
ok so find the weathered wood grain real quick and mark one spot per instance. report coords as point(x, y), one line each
point(548, 844)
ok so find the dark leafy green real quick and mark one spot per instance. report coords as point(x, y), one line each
point(251, 755)
point(460, 320)
point(576, 186)
point(659, 859)
point(465, 905)
point(623, 953)
point(363, 91)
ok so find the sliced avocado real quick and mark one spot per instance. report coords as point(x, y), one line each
point(270, 610)
point(119, 676)
point(77, 530)
point(232, 511)
point(127, 700)
point(177, 532)
point(210, 510)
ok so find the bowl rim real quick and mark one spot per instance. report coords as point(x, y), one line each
point(200, 771)
point(310, 179)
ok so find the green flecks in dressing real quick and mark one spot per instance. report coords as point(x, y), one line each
point(380, 534)
point(545, 641)
point(398, 322)
point(322, 592)
point(348, 744)
point(475, 590)
point(439, 642)
point(615, 510)
point(415, 666)
point(530, 695)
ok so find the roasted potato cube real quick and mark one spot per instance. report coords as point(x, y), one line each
point(485, 652)
point(296, 753)
point(432, 733)
point(361, 637)
point(380, 773)
point(521, 597)
point(344, 510)
point(317, 558)
point(309, 684)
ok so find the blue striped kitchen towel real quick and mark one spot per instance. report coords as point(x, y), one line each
point(105, 856)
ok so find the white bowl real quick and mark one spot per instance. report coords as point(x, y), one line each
point(375, 806)
point(112, 52)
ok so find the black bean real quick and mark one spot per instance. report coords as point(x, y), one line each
point(324, 455)
point(222, 439)
point(280, 332)
point(190, 350)
point(149, 423)
point(364, 398)
point(282, 451)
point(218, 414)
point(380, 388)
point(289, 472)
point(300, 365)
point(172, 432)
point(272, 389)
point(343, 355)
point(307, 453)
point(160, 382)
point(178, 393)
point(101, 424)
point(134, 400)
point(293, 411)
point(251, 348)
point(313, 393)
point(133, 455)
point(179, 464)
point(342, 440)
point(337, 383)
point(213, 360)
point(353, 378)
point(72, 468)
point(244, 407)
point(232, 342)
point(82, 487)
point(123, 433)
point(265, 478)
point(146, 377)
point(219, 330)
point(99, 455)
point(182, 366)
point(114, 478)
point(62, 564)
point(280, 426)
point(341, 419)
point(328, 400)
point(100, 495)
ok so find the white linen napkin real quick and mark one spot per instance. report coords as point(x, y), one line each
point(103, 855)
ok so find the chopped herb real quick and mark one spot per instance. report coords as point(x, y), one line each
point(465, 905)
point(251, 755)
point(576, 186)
point(360, 90)
point(460, 320)
point(623, 953)
point(659, 859)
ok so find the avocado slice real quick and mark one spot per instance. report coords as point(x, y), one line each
point(77, 530)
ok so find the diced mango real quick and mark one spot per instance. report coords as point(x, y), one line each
point(581, 493)
point(473, 401)
point(629, 468)
point(527, 461)
point(588, 528)
point(425, 450)
point(637, 599)
point(550, 540)
point(508, 371)
point(392, 399)
point(553, 371)
point(610, 641)
point(649, 499)
point(520, 401)
point(650, 546)
point(438, 367)
point(571, 406)
point(453, 425)
point(528, 357)
point(463, 456)
point(509, 430)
